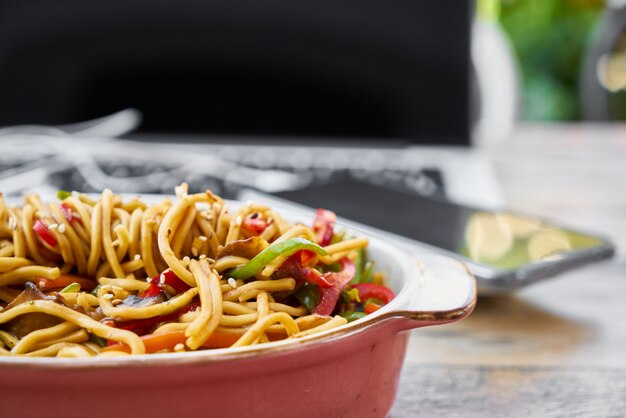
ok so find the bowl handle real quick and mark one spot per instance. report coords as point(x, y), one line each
point(445, 291)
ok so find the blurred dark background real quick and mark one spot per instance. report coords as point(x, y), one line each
point(345, 68)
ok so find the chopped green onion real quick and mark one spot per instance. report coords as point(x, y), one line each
point(97, 340)
point(63, 194)
point(95, 290)
point(71, 288)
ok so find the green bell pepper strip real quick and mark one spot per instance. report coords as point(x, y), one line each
point(359, 264)
point(308, 295)
point(368, 270)
point(352, 315)
point(71, 288)
point(282, 249)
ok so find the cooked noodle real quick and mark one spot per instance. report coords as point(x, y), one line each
point(115, 262)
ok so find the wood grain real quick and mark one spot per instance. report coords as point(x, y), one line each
point(556, 348)
point(501, 391)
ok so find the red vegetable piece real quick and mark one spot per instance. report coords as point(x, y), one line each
point(293, 267)
point(65, 280)
point(307, 258)
point(169, 278)
point(330, 295)
point(323, 226)
point(374, 291)
point(67, 213)
point(371, 308)
point(44, 233)
point(153, 290)
point(254, 224)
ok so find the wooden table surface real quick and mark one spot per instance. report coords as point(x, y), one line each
point(557, 348)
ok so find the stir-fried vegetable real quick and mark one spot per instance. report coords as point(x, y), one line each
point(308, 295)
point(285, 248)
point(63, 194)
point(352, 315)
point(71, 288)
point(374, 291)
point(167, 278)
point(296, 267)
point(63, 281)
point(44, 233)
point(330, 295)
point(254, 224)
point(323, 226)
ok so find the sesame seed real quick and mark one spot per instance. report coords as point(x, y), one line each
point(162, 278)
point(186, 260)
point(62, 228)
point(116, 302)
point(108, 296)
point(194, 251)
point(179, 347)
point(232, 282)
point(203, 238)
point(53, 226)
point(137, 257)
point(202, 256)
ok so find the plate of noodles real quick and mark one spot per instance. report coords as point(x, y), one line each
point(210, 307)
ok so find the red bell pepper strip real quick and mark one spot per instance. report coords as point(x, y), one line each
point(253, 224)
point(44, 233)
point(63, 281)
point(67, 213)
point(374, 291)
point(307, 258)
point(168, 277)
point(296, 268)
point(330, 295)
point(323, 226)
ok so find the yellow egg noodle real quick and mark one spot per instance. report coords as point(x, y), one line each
point(105, 252)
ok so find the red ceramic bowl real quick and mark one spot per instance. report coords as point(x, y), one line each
point(350, 371)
